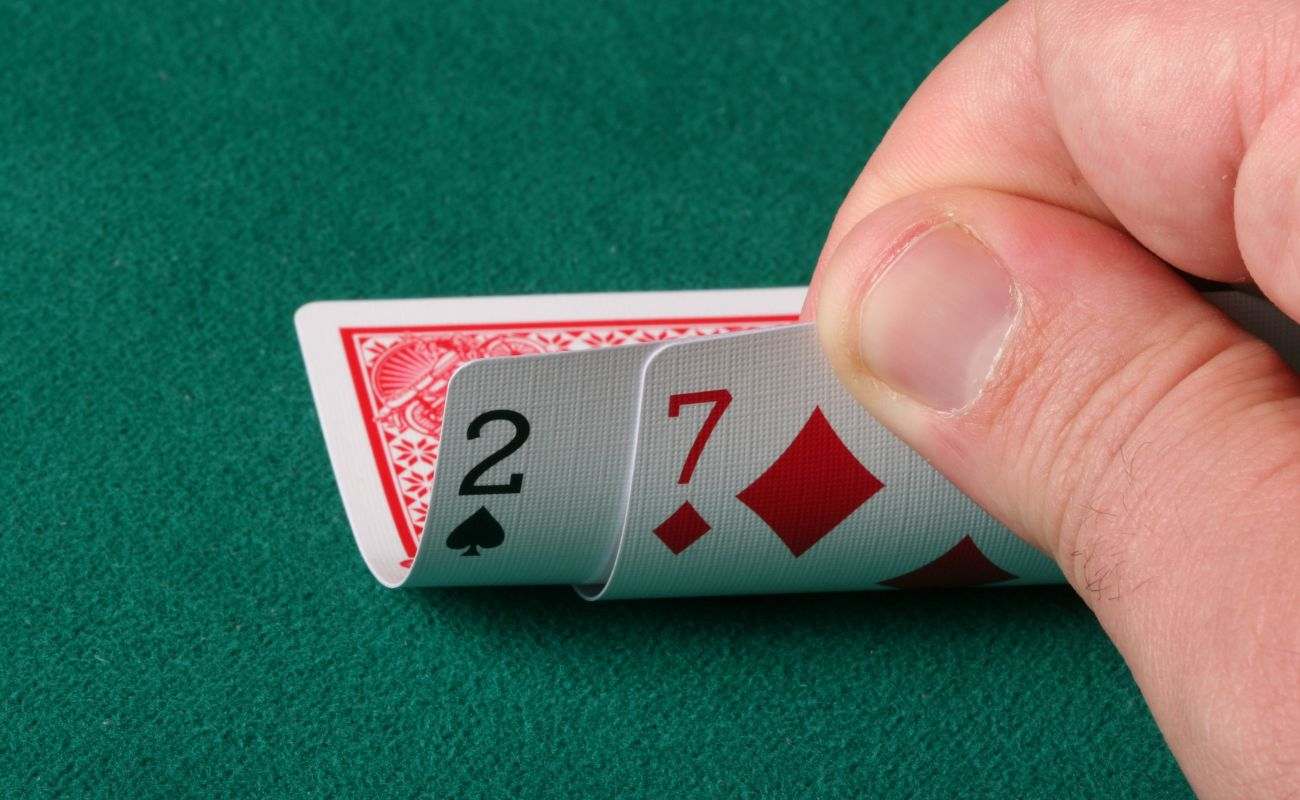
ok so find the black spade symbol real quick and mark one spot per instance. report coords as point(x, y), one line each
point(479, 529)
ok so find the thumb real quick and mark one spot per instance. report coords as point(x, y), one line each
point(1085, 395)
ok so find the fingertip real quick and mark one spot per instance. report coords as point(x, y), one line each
point(1267, 209)
point(858, 260)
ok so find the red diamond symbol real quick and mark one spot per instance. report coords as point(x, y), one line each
point(682, 529)
point(811, 487)
point(963, 565)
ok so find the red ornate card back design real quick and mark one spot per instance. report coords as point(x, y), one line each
point(401, 377)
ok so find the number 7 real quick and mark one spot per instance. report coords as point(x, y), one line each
point(720, 398)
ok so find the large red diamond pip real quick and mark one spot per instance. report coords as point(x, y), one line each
point(811, 487)
point(963, 565)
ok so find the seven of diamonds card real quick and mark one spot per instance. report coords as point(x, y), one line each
point(637, 445)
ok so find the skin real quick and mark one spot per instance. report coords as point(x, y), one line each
point(1128, 429)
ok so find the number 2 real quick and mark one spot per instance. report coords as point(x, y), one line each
point(720, 399)
point(470, 484)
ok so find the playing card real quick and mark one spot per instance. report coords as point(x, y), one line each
point(639, 445)
point(756, 471)
point(380, 371)
point(533, 461)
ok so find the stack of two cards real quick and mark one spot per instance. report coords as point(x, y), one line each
point(634, 445)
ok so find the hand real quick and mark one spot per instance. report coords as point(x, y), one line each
point(997, 290)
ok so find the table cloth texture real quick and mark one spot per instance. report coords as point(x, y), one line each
point(185, 613)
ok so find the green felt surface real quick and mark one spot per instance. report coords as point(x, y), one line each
point(184, 611)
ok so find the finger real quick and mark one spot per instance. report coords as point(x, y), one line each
point(1177, 122)
point(1081, 392)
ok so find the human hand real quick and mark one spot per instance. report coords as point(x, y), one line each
point(997, 290)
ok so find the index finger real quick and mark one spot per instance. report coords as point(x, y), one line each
point(1177, 123)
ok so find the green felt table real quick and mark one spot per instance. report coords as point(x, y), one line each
point(184, 611)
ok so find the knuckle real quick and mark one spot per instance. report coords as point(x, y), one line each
point(1108, 447)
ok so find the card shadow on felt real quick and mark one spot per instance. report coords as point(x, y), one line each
point(951, 617)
